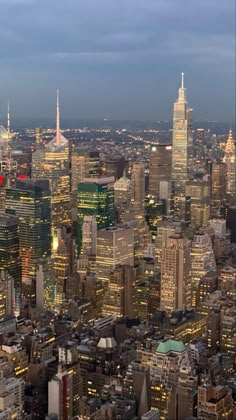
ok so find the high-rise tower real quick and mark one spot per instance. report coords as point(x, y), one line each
point(181, 147)
point(30, 202)
point(230, 161)
point(9, 250)
point(53, 163)
point(159, 168)
point(176, 274)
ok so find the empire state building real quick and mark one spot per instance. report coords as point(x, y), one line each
point(181, 147)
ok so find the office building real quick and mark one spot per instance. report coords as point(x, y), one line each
point(95, 198)
point(6, 295)
point(167, 362)
point(94, 169)
point(30, 202)
point(218, 187)
point(113, 166)
point(122, 188)
point(120, 299)
point(215, 402)
point(12, 398)
point(64, 262)
point(202, 262)
point(138, 188)
point(89, 235)
point(10, 251)
point(79, 167)
point(176, 274)
point(45, 285)
point(115, 246)
point(200, 209)
point(39, 136)
point(230, 162)
point(227, 282)
point(159, 168)
point(228, 332)
point(60, 394)
point(181, 147)
point(165, 229)
point(53, 163)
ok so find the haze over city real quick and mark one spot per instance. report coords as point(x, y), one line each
point(117, 59)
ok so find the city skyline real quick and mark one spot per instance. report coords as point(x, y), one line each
point(117, 60)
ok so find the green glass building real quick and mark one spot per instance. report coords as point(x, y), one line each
point(30, 200)
point(95, 198)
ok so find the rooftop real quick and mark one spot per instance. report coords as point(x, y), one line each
point(170, 346)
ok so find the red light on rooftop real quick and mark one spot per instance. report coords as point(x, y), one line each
point(22, 176)
point(1, 179)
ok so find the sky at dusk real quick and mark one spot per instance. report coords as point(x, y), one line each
point(119, 59)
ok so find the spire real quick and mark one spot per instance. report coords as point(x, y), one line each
point(182, 90)
point(8, 136)
point(230, 146)
point(58, 118)
point(8, 120)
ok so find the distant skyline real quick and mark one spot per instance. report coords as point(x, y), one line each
point(117, 59)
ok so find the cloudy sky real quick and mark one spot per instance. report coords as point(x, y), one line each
point(117, 58)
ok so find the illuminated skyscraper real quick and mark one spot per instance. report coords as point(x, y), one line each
point(218, 186)
point(202, 262)
point(119, 298)
point(79, 168)
point(64, 262)
point(165, 229)
point(138, 188)
point(230, 161)
point(181, 147)
point(122, 189)
point(200, 210)
point(39, 136)
point(9, 250)
point(89, 235)
point(176, 274)
point(6, 294)
point(115, 246)
point(30, 202)
point(159, 168)
point(53, 163)
point(95, 198)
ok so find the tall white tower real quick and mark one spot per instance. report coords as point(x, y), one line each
point(182, 146)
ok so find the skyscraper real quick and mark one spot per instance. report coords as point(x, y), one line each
point(218, 187)
point(114, 246)
point(159, 168)
point(95, 198)
point(79, 168)
point(202, 261)
point(200, 209)
point(30, 202)
point(9, 250)
point(119, 300)
point(39, 136)
point(53, 163)
point(138, 188)
point(176, 274)
point(230, 161)
point(181, 146)
point(6, 294)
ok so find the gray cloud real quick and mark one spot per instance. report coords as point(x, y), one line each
point(91, 42)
